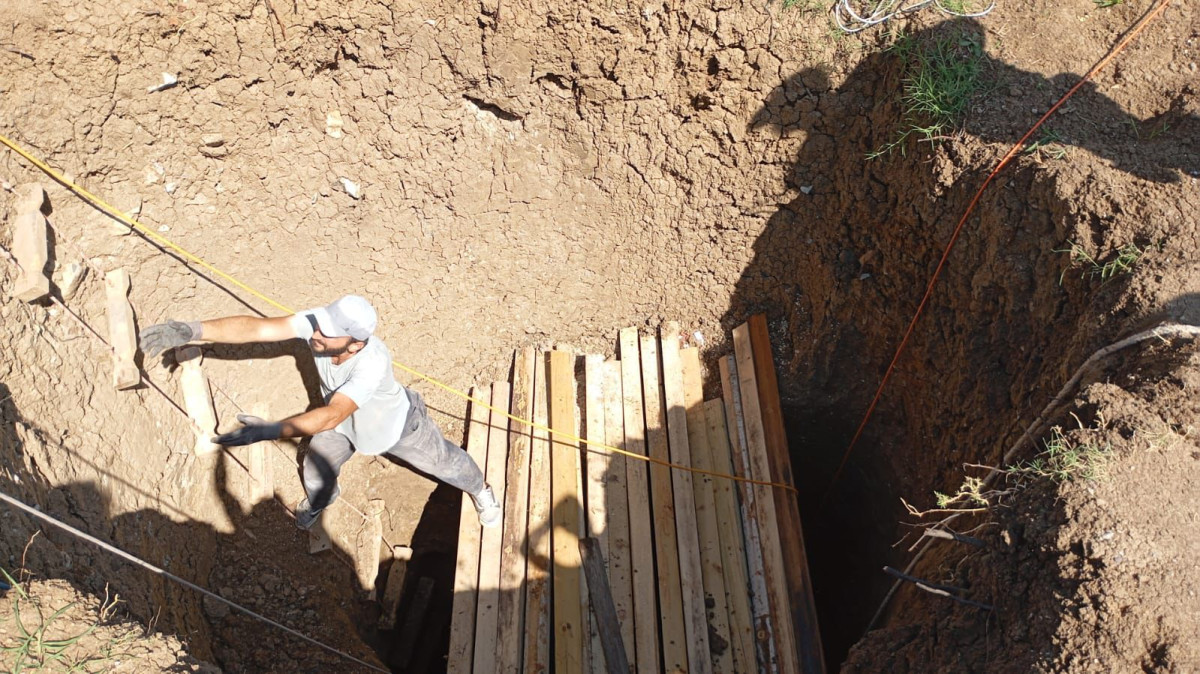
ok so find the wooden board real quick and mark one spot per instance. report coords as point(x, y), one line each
point(691, 579)
point(511, 620)
point(666, 541)
point(318, 537)
point(567, 517)
point(616, 486)
point(487, 617)
point(596, 465)
point(466, 574)
point(773, 562)
point(613, 652)
point(261, 467)
point(121, 335)
point(197, 399)
point(641, 538)
point(401, 556)
point(537, 656)
point(367, 545)
point(30, 242)
point(712, 562)
point(764, 640)
point(787, 508)
point(733, 546)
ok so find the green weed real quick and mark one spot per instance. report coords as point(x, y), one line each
point(1064, 460)
point(941, 77)
point(1101, 4)
point(1125, 260)
point(33, 649)
point(1049, 144)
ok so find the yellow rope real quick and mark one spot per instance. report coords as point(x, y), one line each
point(191, 257)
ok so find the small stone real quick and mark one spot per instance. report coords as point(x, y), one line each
point(807, 189)
point(351, 188)
point(333, 124)
point(72, 276)
point(212, 139)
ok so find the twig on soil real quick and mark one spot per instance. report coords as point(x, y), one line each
point(271, 9)
point(940, 590)
point(1160, 332)
point(949, 535)
point(23, 571)
point(18, 52)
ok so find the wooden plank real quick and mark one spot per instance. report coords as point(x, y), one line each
point(261, 467)
point(617, 488)
point(733, 547)
point(487, 619)
point(712, 562)
point(791, 532)
point(197, 399)
point(30, 243)
point(466, 573)
point(511, 621)
point(764, 640)
point(666, 541)
point(537, 655)
point(569, 628)
point(367, 543)
point(121, 335)
point(641, 538)
point(764, 501)
point(318, 537)
point(414, 621)
point(596, 461)
point(401, 555)
point(691, 576)
point(602, 607)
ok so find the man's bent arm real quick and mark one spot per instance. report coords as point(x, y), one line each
point(247, 329)
point(318, 419)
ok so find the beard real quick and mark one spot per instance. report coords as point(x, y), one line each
point(328, 350)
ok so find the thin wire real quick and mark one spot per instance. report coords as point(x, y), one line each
point(170, 576)
point(851, 21)
point(1008, 157)
point(560, 437)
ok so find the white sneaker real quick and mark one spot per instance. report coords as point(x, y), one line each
point(488, 507)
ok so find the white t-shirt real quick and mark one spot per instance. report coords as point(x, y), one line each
point(368, 380)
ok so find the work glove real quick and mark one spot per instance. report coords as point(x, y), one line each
point(158, 338)
point(253, 430)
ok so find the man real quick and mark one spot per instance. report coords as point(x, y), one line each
point(366, 410)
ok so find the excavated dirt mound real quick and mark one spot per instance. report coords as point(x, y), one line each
point(525, 172)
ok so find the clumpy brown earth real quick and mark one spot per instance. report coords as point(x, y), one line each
point(547, 173)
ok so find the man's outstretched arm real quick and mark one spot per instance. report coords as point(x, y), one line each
point(307, 423)
point(229, 330)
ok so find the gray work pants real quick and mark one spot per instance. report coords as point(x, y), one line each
point(421, 446)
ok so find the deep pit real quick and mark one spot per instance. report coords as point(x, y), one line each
point(545, 175)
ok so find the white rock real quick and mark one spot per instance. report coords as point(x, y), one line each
point(351, 188)
point(333, 124)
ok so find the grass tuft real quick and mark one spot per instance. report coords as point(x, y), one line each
point(1065, 461)
point(941, 77)
point(1125, 260)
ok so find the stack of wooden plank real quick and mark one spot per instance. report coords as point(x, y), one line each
point(705, 573)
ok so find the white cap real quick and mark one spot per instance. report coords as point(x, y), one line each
point(349, 316)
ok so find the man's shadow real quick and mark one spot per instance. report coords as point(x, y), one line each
point(261, 563)
point(840, 267)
